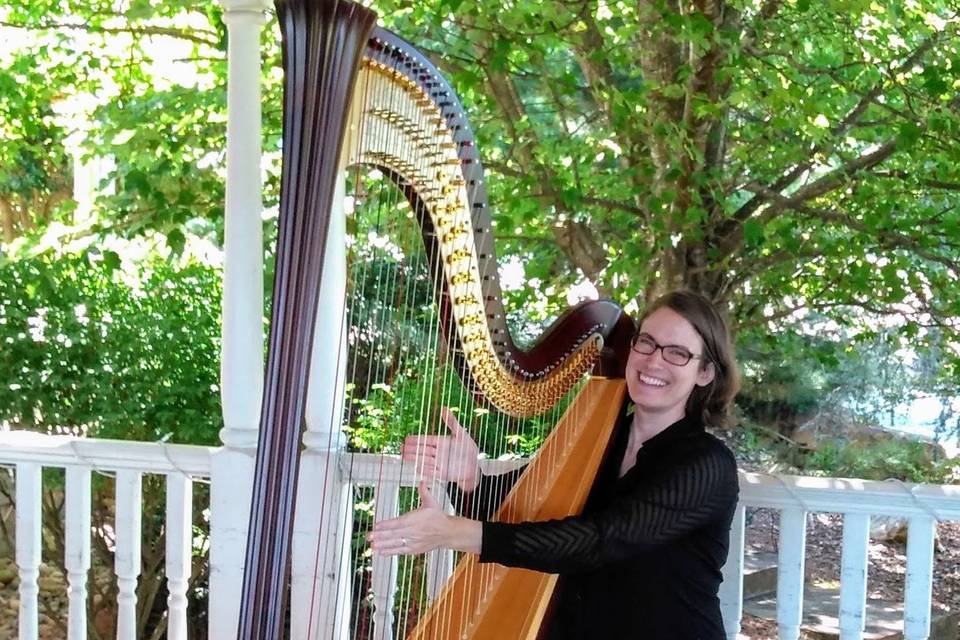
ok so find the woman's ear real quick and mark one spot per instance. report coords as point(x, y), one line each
point(706, 375)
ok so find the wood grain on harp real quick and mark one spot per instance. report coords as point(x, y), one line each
point(379, 159)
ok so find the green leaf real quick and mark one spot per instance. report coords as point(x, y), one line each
point(176, 241)
point(933, 81)
point(753, 233)
point(499, 55)
point(140, 10)
point(111, 260)
point(908, 134)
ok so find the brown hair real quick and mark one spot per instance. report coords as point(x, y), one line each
point(712, 401)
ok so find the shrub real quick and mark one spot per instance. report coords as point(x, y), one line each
point(89, 348)
point(905, 460)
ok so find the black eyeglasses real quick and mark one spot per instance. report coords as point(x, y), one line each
point(674, 354)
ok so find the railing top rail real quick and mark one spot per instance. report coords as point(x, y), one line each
point(830, 495)
point(373, 468)
point(103, 454)
point(850, 495)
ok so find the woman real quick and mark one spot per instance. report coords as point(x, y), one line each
point(644, 558)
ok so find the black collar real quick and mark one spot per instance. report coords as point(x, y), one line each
point(680, 430)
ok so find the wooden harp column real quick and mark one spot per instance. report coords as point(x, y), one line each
point(328, 46)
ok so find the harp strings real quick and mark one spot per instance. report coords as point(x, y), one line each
point(326, 598)
point(400, 371)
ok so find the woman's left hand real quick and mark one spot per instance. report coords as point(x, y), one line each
point(424, 529)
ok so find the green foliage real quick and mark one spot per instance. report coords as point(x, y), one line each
point(168, 173)
point(782, 158)
point(816, 366)
point(783, 380)
point(144, 85)
point(89, 347)
point(34, 176)
point(904, 460)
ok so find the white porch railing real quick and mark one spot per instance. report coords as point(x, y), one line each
point(28, 453)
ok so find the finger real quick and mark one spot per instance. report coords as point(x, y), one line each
point(429, 441)
point(387, 527)
point(386, 538)
point(414, 454)
point(427, 472)
point(452, 423)
point(424, 449)
point(420, 462)
point(426, 496)
point(386, 548)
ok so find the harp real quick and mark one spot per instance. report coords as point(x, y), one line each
point(366, 114)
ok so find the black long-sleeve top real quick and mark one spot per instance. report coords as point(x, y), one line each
point(644, 558)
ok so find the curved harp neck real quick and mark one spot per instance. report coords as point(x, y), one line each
point(419, 136)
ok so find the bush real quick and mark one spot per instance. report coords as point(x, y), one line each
point(89, 348)
point(905, 460)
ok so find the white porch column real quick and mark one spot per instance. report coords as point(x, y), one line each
point(321, 535)
point(241, 368)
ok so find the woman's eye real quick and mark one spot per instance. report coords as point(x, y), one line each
point(678, 352)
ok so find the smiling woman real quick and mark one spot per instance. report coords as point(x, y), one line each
point(645, 555)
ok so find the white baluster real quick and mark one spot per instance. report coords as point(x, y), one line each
point(28, 546)
point(384, 570)
point(126, 560)
point(439, 561)
point(731, 590)
point(793, 539)
point(919, 583)
point(179, 539)
point(853, 575)
point(76, 559)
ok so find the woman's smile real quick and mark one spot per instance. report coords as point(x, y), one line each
point(651, 381)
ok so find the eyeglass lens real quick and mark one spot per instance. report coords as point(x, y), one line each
point(673, 354)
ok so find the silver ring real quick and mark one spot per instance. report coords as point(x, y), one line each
point(403, 541)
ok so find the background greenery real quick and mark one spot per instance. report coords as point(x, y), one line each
point(794, 161)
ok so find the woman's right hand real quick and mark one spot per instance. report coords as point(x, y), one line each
point(452, 458)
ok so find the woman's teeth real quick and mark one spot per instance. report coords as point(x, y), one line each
point(652, 381)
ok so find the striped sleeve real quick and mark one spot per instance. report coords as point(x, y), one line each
point(685, 498)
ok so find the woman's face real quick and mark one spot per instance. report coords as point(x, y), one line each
point(658, 386)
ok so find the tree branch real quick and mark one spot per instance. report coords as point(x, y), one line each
point(842, 127)
point(212, 40)
point(933, 184)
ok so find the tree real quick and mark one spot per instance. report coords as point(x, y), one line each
point(784, 158)
point(140, 83)
point(34, 176)
point(776, 156)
